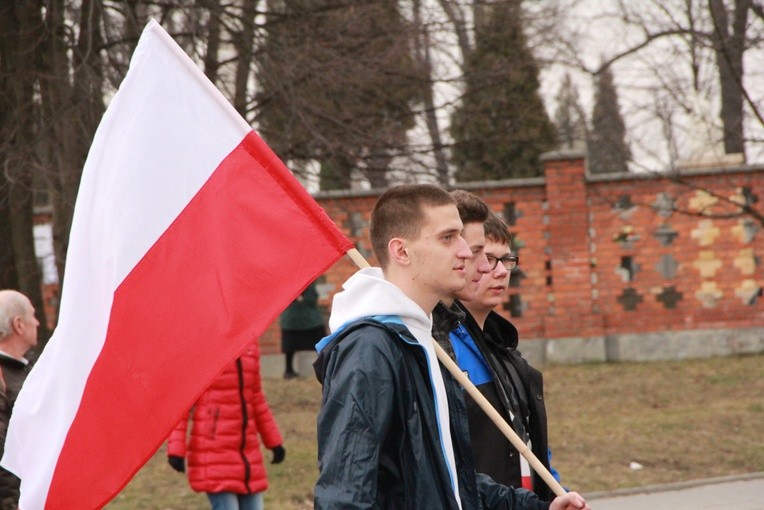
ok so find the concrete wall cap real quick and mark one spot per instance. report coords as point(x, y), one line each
point(562, 155)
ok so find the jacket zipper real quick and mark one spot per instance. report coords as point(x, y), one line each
point(244, 421)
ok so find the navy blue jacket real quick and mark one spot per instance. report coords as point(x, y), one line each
point(378, 437)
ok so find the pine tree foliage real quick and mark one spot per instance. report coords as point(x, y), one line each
point(338, 84)
point(608, 150)
point(570, 118)
point(501, 127)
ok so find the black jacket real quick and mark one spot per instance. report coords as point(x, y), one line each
point(378, 440)
point(13, 374)
point(509, 372)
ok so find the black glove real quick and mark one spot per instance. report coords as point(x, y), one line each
point(177, 463)
point(278, 454)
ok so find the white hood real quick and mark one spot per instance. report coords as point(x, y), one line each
point(366, 294)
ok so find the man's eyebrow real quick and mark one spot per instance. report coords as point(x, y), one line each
point(449, 231)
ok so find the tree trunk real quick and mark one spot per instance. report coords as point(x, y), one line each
point(422, 48)
point(211, 60)
point(8, 275)
point(455, 15)
point(729, 50)
point(245, 44)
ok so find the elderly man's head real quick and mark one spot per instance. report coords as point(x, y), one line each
point(18, 325)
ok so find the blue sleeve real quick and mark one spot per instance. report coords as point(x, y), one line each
point(554, 472)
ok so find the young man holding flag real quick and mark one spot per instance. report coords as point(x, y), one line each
point(392, 430)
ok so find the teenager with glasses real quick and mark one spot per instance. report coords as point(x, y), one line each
point(485, 347)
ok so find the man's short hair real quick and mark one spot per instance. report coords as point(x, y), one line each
point(496, 230)
point(471, 208)
point(398, 213)
point(12, 305)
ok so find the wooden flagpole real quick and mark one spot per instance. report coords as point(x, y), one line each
point(478, 397)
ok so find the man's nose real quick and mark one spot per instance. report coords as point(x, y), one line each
point(483, 266)
point(464, 251)
point(501, 270)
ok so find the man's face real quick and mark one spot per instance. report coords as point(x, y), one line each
point(31, 324)
point(439, 255)
point(477, 266)
point(493, 286)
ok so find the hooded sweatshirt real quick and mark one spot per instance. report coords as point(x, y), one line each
point(368, 294)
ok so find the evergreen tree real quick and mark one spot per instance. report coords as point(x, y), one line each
point(337, 84)
point(608, 150)
point(570, 119)
point(501, 127)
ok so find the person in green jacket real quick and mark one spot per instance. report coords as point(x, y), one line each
point(302, 326)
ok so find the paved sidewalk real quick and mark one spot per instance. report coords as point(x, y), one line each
point(740, 492)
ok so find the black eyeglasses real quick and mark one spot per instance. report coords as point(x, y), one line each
point(509, 261)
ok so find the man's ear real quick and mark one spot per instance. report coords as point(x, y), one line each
point(17, 325)
point(398, 252)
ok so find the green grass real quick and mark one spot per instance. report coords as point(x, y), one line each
point(680, 420)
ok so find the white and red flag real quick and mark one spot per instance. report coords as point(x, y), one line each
point(189, 237)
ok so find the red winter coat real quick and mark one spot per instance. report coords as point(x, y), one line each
point(223, 451)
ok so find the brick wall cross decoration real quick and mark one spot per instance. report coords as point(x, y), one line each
point(749, 292)
point(356, 224)
point(746, 261)
point(707, 264)
point(511, 214)
point(627, 269)
point(744, 196)
point(745, 230)
point(669, 297)
point(624, 203)
point(667, 266)
point(518, 275)
point(515, 305)
point(625, 207)
point(630, 298)
point(709, 294)
point(706, 232)
point(664, 204)
point(702, 202)
point(665, 234)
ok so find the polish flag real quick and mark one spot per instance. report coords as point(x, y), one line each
point(189, 237)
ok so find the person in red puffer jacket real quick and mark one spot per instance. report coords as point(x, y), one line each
point(223, 449)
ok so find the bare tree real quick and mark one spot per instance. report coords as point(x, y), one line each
point(728, 41)
point(21, 33)
point(685, 63)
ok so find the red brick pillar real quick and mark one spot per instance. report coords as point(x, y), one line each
point(570, 311)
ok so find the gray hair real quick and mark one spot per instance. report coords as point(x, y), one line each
point(12, 304)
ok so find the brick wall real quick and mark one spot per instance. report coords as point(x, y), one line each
point(612, 254)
